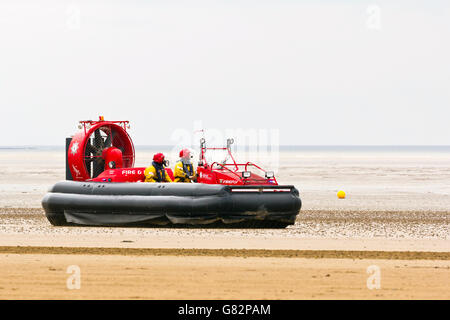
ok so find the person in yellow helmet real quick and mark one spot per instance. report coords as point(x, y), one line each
point(156, 172)
point(184, 170)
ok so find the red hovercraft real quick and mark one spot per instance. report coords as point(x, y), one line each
point(103, 188)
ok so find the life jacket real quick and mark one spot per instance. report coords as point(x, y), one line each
point(160, 171)
point(188, 168)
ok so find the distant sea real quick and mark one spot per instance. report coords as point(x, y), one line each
point(284, 148)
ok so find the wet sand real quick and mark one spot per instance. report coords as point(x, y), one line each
point(396, 215)
point(314, 230)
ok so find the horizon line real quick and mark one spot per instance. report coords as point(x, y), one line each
point(262, 145)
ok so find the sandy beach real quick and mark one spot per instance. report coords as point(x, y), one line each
point(37, 276)
point(396, 216)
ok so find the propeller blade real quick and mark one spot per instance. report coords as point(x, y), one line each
point(90, 149)
point(109, 139)
point(98, 141)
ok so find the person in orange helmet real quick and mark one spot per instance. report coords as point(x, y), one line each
point(156, 172)
point(184, 170)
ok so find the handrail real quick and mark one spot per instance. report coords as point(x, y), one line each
point(224, 166)
point(204, 149)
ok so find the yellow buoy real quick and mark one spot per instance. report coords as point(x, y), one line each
point(341, 194)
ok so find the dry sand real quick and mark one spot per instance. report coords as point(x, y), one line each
point(37, 276)
point(396, 216)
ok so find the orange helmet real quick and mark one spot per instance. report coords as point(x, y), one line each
point(185, 153)
point(158, 158)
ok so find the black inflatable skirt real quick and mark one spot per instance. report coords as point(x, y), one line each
point(171, 204)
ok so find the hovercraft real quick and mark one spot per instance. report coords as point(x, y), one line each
point(104, 189)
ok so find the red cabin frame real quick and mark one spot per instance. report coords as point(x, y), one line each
point(229, 173)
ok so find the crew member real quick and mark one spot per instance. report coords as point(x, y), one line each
point(184, 170)
point(156, 172)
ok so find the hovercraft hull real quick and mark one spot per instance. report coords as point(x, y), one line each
point(155, 204)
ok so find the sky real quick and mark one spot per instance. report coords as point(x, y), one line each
point(342, 72)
